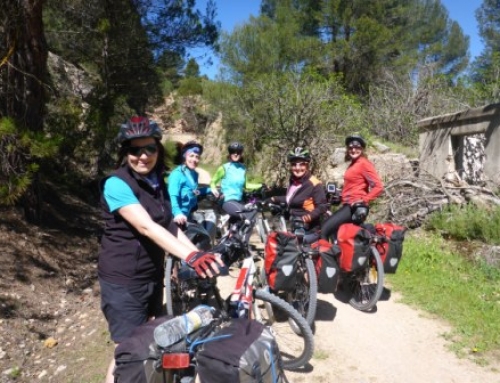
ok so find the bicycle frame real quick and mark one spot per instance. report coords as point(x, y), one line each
point(241, 299)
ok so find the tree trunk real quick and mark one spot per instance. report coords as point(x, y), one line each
point(23, 75)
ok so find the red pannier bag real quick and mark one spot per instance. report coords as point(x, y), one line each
point(354, 244)
point(280, 260)
point(325, 263)
point(390, 250)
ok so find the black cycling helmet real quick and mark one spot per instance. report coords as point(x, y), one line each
point(235, 147)
point(138, 127)
point(355, 141)
point(299, 154)
point(191, 145)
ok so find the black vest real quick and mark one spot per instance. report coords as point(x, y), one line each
point(127, 257)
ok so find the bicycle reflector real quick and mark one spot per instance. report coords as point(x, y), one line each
point(175, 360)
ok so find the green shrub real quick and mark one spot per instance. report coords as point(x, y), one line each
point(468, 222)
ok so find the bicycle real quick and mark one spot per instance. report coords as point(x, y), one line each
point(253, 200)
point(250, 298)
point(366, 283)
point(275, 222)
point(182, 292)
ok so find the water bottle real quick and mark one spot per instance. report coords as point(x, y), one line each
point(175, 329)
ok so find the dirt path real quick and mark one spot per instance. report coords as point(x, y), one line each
point(395, 344)
point(392, 345)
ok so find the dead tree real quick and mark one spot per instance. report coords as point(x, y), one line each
point(409, 199)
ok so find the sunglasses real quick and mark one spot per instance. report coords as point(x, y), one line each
point(238, 153)
point(138, 150)
point(295, 164)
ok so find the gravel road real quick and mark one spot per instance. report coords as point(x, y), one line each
point(394, 344)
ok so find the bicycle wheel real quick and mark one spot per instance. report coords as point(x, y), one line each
point(367, 285)
point(180, 295)
point(296, 350)
point(184, 290)
point(305, 296)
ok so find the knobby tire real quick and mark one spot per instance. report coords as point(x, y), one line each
point(168, 285)
point(301, 356)
point(313, 291)
point(372, 291)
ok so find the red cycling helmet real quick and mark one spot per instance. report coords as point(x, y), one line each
point(138, 127)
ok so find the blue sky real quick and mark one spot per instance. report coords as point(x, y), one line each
point(236, 12)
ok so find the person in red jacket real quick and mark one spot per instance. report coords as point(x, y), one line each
point(305, 195)
point(362, 184)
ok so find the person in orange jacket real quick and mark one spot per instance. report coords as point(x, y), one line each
point(362, 184)
point(305, 195)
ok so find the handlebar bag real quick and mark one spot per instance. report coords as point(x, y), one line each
point(325, 263)
point(354, 244)
point(391, 250)
point(280, 264)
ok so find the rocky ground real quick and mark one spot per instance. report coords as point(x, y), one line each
point(48, 291)
point(53, 331)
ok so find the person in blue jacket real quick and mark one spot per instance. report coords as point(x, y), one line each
point(138, 231)
point(183, 185)
point(232, 179)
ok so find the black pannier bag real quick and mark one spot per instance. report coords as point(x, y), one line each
point(280, 263)
point(136, 357)
point(244, 351)
point(327, 268)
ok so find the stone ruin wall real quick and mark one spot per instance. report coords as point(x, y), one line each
point(464, 146)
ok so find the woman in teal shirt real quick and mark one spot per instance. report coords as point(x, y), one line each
point(183, 184)
point(232, 178)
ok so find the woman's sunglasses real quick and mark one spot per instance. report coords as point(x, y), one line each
point(298, 164)
point(138, 150)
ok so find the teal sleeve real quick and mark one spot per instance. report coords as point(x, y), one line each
point(118, 194)
point(174, 191)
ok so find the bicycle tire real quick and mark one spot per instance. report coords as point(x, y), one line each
point(313, 291)
point(305, 296)
point(168, 286)
point(296, 350)
point(366, 291)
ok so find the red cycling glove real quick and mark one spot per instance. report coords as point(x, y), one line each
point(200, 261)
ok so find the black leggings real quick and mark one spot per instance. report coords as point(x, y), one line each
point(330, 227)
point(233, 207)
